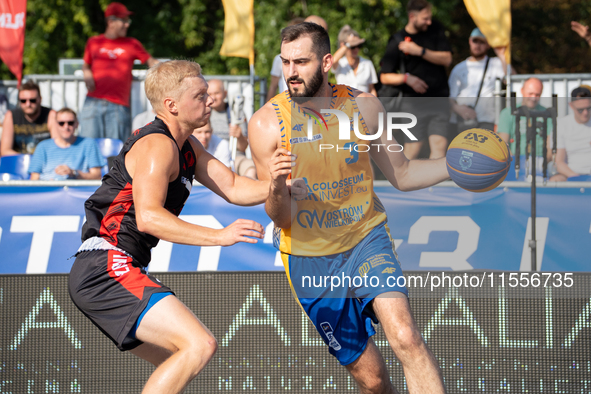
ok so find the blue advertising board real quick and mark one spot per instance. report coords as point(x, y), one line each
point(441, 228)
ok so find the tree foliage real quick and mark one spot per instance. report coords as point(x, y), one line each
point(542, 41)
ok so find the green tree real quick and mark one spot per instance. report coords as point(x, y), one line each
point(542, 41)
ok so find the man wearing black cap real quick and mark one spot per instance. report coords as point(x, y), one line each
point(108, 60)
point(573, 156)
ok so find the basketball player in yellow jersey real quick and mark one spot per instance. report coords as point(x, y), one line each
point(329, 223)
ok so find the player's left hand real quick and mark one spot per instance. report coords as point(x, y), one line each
point(298, 189)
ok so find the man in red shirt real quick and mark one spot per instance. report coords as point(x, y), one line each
point(108, 60)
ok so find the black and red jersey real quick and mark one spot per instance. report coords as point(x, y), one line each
point(110, 212)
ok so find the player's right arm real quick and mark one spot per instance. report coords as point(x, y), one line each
point(152, 163)
point(264, 143)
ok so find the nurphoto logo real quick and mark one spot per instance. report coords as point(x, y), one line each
point(346, 125)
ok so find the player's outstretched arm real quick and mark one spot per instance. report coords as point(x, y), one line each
point(403, 174)
point(273, 164)
point(233, 188)
point(153, 163)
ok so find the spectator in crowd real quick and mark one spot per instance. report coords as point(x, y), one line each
point(472, 84)
point(214, 145)
point(415, 62)
point(108, 61)
point(531, 92)
point(26, 126)
point(142, 119)
point(350, 68)
point(66, 156)
point(573, 155)
point(582, 31)
point(277, 78)
point(223, 128)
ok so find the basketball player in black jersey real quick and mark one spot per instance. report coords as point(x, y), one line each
point(138, 204)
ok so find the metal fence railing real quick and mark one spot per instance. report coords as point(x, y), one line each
point(58, 91)
point(560, 84)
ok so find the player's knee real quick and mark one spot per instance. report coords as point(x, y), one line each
point(200, 352)
point(375, 384)
point(210, 347)
point(407, 341)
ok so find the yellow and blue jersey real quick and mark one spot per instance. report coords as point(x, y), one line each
point(341, 207)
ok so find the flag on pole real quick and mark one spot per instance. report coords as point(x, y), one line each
point(12, 35)
point(238, 29)
point(493, 18)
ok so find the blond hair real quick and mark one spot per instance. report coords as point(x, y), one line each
point(67, 110)
point(165, 79)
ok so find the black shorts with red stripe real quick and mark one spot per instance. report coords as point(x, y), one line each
point(112, 290)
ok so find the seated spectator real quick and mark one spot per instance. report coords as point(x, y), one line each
point(531, 92)
point(223, 128)
point(350, 68)
point(142, 119)
point(66, 156)
point(26, 126)
point(214, 145)
point(472, 84)
point(573, 155)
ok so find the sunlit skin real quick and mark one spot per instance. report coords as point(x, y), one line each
point(581, 110)
point(31, 110)
point(117, 27)
point(194, 105)
point(203, 135)
point(65, 134)
point(421, 20)
point(478, 47)
point(531, 92)
point(300, 65)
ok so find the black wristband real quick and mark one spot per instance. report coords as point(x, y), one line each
point(423, 53)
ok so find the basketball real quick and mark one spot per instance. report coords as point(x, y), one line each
point(478, 160)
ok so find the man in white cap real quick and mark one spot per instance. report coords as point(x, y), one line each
point(472, 83)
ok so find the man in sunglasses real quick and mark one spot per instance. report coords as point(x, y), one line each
point(26, 126)
point(66, 156)
point(108, 61)
point(573, 155)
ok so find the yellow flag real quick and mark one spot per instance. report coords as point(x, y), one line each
point(238, 29)
point(493, 18)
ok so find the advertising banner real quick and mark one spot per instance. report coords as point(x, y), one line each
point(442, 228)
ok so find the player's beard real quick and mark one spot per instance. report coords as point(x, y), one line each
point(311, 87)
